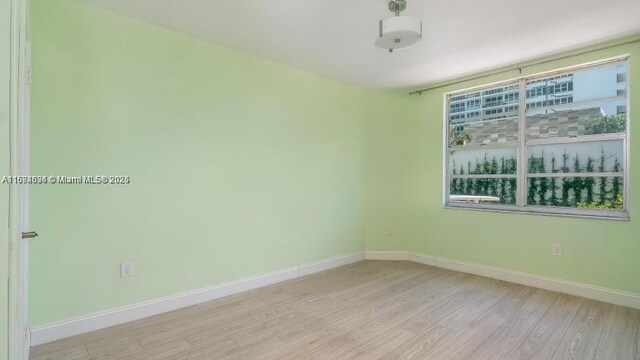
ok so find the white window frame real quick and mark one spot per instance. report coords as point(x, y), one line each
point(522, 146)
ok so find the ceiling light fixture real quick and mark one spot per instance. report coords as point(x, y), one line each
point(399, 32)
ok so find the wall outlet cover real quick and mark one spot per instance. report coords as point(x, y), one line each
point(556, 249)
point(126, 269)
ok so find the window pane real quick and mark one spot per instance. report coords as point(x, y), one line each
point(488, 116)
point(585, 102)
point(483, 190)
point(482, 162)
point(593, 156)
point(499, 163)
point(496, 131)
point(592, 83)
point(591, 118)
point(577, 192)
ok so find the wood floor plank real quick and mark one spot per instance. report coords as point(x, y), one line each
point(462, 343)
point(389, 310)
point(423, 300)
point(638, 344)
point(619, 336)
point(208, 350)
point(420, 345)
point(447, 317)
point(303, 347)
point(455, 316)
point(106, 348)
point(342, 313)
point(581, 338)
point(78, 352)
point(374, 311)
point(341, 345)
point(379, 346)
point(341, 301)
point(150, 324)
point(164, 351)
point(505, 340)
point(442, 307)
point(252, 351)
point(59, 346)
point(542, 341)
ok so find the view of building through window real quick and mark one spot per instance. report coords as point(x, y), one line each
point(573, 150)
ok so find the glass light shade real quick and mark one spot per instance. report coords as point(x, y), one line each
point(399, 32)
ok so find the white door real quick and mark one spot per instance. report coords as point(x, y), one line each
point(5, 65)
point(19, 233)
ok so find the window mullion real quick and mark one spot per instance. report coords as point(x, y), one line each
point(522, 153)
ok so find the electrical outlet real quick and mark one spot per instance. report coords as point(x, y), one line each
point(388, 232)
point(556, 249)
point(126, 269)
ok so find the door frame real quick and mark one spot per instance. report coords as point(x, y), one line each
point(19, 112)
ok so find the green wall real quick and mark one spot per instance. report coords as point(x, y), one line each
point(404, 193)
point(5, 31)
point(238, 166)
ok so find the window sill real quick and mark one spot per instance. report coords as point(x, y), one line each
point(544, 211)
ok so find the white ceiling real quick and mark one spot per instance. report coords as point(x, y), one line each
point(335, 38)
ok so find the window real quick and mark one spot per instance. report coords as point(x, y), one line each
point(473, 104)
point(551, 144)
point(473, 114)
point(456, 108)
point(539, 91)
point(622, 77)
point(492, 101)
point(511, 98)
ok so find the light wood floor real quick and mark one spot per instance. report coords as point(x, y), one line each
point(373, 310)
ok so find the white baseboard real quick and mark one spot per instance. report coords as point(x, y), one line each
point(103, 319)
point(548, 283)
point(386, 255)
